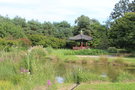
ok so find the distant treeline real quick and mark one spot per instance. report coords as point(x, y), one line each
point(50, 34)
point(119, 30)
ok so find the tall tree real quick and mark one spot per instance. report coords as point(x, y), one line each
point(48, 29)
point(19, 21)
point(122, 31)
point(9, 29)
point(82, 23)
point(120, 9)
point(34, 25)
point(92, 28)
point(63, 30)
point(132, 6)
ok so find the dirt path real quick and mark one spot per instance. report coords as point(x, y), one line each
point(70, 87)
point(94, 56)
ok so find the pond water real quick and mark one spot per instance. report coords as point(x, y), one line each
point(59, 79)
point(90, 71)
point(104, 75)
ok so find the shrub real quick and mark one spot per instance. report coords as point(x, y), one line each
point(122, 51)
point(6, 44)
point(24, 42)
point(9, 29)
point(47, 41)
point(112, 50)
point(70, 44)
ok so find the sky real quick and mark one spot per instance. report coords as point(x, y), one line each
point(57, 10)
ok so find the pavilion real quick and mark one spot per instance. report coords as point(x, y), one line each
point(83, 39)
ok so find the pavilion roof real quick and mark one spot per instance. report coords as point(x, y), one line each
point(81, 37)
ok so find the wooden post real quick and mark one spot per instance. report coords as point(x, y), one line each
point(81, 44)
point(86, 44)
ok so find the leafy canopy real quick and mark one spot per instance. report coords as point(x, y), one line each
point(122, 31)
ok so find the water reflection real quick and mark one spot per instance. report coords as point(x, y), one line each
point(60, 79)
point(104, 75)
point(102, 70)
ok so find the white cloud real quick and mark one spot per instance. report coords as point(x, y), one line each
point(20, 1)
point(57, 10)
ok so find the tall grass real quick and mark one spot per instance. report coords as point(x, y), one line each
point(28, 68)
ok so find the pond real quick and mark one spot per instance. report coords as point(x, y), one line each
point(96, 71)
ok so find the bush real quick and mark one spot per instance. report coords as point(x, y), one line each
point(7, 45)
point(9, 29)
point(24, 42)
point(122, 51)
point(112, 50)
point(47, 41)
point(70, 44)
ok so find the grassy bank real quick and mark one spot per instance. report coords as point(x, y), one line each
point(109, 86)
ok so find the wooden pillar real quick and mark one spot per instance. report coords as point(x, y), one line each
point(86, 44)
point(81, 44)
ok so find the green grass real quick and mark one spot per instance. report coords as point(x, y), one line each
point(109, 86)
point(6, 85)
point(82, 52)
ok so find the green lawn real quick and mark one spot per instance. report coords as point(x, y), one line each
point(109, 86)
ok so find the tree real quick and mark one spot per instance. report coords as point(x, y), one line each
point(48, 29)
point(82, 23)
point(132, 6)
point(122, 31)
point(63, 30)
point(120, 9)
point(47, 41)
point(100, 39)
point(63, 24)
point(9, 29)
point(19, 21)
point(92, 28)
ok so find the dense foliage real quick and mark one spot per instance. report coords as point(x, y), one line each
point(122, 7)
point(47, 41)
point(10, 30)
point(122, 32)
point(52, 34)
point(92, 28)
